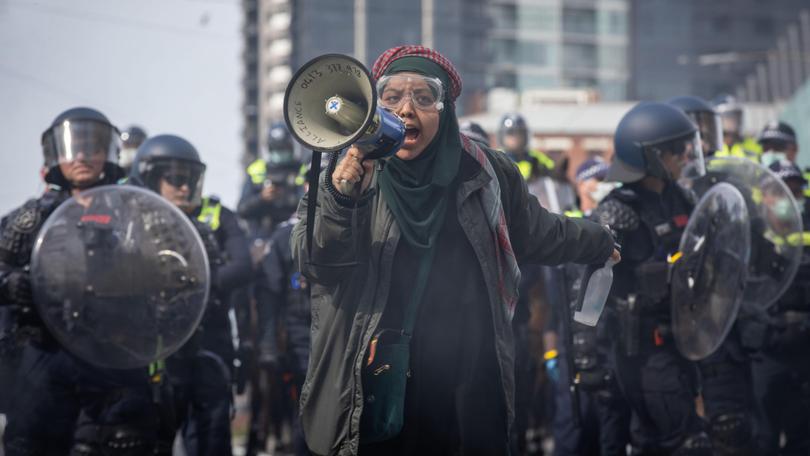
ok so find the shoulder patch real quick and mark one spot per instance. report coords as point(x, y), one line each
point(26, 219)
point(617, 214)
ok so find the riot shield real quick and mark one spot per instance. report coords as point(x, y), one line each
point(555, 196)
point(709, 272)
point(120, 276)
point(774, 217)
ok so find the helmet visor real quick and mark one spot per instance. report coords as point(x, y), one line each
point(683, 154)
point(87, 140)
point(179, 181)
point(424, 92)
point(711, 130)
point(732, 122)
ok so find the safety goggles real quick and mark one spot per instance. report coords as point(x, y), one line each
point(179, 180)
point(425, 93)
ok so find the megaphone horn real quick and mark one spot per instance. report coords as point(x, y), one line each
point(331, 103)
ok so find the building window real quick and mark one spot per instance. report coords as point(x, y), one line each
point(538, 18)
point(763, 26)
point(580, 56)
point(503, 16)
point(532, 53)
point(721, 24)
point(579, 21)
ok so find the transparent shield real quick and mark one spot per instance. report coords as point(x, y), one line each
point(774, 217)
point(120, 276)
point(708, 280)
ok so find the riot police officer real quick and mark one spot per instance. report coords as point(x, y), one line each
point(289, 299)
point(653, 143)
point(603, 422)
point(781, 370)
point(200, 373)
point(513, 137)
point(81, 152)
point(269, 195)
point(734, 143)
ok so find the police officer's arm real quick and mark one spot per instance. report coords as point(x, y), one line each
point(334, 245)
point(238, 268)
point(539, 236)
point(15, 285)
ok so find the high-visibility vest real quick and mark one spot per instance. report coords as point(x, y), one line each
point(210, 212)
point(257, 171)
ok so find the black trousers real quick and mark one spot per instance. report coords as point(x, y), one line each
point(604, 428)
point(53, 388)
point(660, 386)
point(782, 392)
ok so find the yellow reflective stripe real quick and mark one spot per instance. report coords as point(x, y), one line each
point(575, 213)
point(544, 159)
point(802, 239)
point(752, 145)
point(525, 168)
point(807, 189)
point(737, 150)
point(209, 214)
point(257, 171)
point(756, 195)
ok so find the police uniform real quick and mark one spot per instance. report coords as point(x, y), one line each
point(288, 300)
point(657, 381)
point(201, 372)
point(604, 424)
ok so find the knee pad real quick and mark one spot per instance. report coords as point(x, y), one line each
point(695, 445)
point(731, 432)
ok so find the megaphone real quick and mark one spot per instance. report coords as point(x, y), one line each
point(331, 103)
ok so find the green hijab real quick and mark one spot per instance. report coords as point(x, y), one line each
point(417, 190)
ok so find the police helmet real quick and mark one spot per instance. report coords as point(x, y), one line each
point(513, 124)
point(777, 132)
point(705, 117)
point(647, 131)
point(80, 131)
point(133, 136)
point(173, 160)
point(474, 131)
point(281, 150)
point(131, 139)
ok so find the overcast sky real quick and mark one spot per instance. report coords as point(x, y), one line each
point(172, 66)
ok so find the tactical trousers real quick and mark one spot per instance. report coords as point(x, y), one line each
point(725, 380)
point(604, 427)
point(53, 388)
point(782, 393)
point(660, 386)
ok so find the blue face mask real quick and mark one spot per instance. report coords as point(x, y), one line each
point(771, 156)
point(782, 209)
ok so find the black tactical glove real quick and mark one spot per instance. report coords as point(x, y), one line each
point(15, 287)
